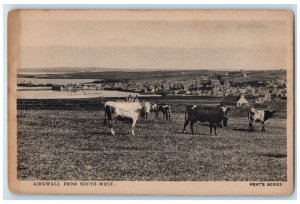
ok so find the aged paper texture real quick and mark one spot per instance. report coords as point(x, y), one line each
point(151, 102)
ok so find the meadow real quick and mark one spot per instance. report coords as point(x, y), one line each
point(74, 144)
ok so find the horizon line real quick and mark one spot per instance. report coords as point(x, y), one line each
point(152, 69)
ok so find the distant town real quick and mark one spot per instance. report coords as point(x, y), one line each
point(235, 88)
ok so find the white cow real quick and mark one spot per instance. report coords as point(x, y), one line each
point(255, 115)
point(126, 110)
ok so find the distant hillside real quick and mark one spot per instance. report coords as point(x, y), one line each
point(153, 75)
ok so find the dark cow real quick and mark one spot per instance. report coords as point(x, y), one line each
point(131, 111)
point(212, 115)
point(165, 109)
point(262, 116)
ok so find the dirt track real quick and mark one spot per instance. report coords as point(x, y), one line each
point(75, 145)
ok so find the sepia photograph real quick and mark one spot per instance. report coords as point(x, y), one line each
point(151, 102)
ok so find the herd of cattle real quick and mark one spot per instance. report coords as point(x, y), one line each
point(193, 113)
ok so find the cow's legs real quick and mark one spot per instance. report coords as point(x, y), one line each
point(215, 128)
point(251, 128)
point(192, 126)
point(144, 115)
point(111, 129)
point(156, 115)
point(133, 124)
point(251, 125)
point(169, 116)
point(263, 127)
point(185, 124)
point(210, 128)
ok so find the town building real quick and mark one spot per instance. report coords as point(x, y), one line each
point(234, 100)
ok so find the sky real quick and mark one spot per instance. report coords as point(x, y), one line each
point(150, 40)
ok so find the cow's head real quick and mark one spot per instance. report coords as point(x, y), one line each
point(225, 118)
point(146, 107)
point(190, 107)
point(269, 113)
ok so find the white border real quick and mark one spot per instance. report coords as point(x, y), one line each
point(213, 4)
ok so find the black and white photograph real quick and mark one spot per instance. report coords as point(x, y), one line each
point(116, 101)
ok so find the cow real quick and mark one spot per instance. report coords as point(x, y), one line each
point(165, 109)
point(255, 115)
point(212, 115)
point(124, 110)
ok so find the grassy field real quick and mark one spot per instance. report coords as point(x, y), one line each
point(75, 145)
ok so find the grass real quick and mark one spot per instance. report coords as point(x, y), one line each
point(75, 145)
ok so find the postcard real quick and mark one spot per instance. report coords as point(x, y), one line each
point(151, 102)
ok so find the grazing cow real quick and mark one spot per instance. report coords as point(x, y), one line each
point(165, 109)
point(262, 116)
point(212, 115)
point(124, 110)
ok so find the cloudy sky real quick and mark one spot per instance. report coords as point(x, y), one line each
point(149, 40)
